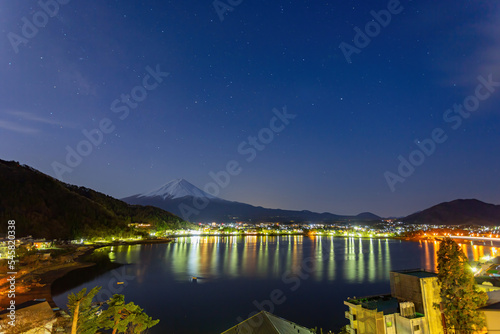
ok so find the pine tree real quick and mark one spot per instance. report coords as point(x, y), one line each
point(460, 299)
point(83, 313)
point(121, 317)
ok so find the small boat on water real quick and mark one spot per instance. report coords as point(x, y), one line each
point(120, 282)
point(194, 279)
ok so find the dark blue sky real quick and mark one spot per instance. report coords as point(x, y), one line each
point(353, 120)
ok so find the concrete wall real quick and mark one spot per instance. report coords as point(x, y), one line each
point(366, 321)
point(390, 319)
point(407, 287)
point(431, 295)
point(408, 326)
point(492, 320)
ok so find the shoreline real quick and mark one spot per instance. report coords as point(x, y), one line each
point(43, 290)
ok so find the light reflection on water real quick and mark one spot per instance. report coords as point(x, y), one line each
point(472, 250)
point(363, 260)
point(235, 271)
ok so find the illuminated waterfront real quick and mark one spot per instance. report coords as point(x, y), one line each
point(315, 274)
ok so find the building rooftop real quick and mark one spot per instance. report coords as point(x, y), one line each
point(494, 281)
point(420, 273)
point(31, 304)
point(385, 303)
point(35, 316)
point(493, 297)
point(495, 306)
point(265, 322)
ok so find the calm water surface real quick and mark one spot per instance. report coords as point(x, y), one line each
point(236, 276)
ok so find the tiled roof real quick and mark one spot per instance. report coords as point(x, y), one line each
point(267, 323)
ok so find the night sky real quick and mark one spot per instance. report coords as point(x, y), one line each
point(86, 66)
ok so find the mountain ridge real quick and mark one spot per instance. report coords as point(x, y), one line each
point(200, 206)
point(45, 207)
point(48, 208)
point(457, 212)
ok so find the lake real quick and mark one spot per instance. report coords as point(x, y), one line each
point(302, 279)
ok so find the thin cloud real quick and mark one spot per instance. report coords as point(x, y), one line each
point(488, 57)
point(10, 126)
point(29, 116)
point(484, 59)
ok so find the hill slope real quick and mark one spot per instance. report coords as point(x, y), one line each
point(193, 204)
point(457, 212)
point(45, 207)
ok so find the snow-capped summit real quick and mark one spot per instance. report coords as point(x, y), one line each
point(177, 188)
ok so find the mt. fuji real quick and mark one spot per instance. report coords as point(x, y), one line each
point(195, 205)
point(177, 188)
